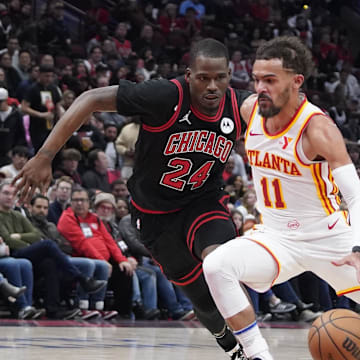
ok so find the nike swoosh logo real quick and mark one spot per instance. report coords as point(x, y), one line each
point(254, 134)
point(330, 227)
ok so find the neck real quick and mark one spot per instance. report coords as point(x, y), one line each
point(4, 208)
point(279, 121)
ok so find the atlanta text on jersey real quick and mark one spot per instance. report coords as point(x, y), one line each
point(272, 161)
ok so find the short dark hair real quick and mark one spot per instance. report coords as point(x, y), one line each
point(93, 156)
point(71, 154)
point(293, 53)
point(117, 182)
point(21, 151)
point(38, 196)
point(210, 48)
point(79, 189)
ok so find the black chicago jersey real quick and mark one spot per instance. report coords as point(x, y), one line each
point(180, 153)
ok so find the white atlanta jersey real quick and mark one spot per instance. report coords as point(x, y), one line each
point(292, 191)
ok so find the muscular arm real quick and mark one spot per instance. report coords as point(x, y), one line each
point(100, 99)
point(323, 139)
point(37, 171)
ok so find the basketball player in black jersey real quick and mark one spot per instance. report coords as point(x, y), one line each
point(189, 126)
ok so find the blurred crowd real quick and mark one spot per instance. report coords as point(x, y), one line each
point(46, 62)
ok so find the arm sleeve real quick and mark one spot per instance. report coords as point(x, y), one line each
point(348, 181)
point(130, 236)
point(13, 244)
point(146, 98)
point(114, 250)
point(29, 234)
point(70, 229)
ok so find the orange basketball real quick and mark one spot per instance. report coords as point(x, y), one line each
point(335, 335)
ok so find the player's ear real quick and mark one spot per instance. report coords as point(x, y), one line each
point(298, 80)
point(187, 75)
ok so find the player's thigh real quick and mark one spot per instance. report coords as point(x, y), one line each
point(206, 223)
point(245, 260)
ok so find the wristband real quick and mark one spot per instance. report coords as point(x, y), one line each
point(356, 249)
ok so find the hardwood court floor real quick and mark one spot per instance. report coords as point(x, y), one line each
point(161, 340)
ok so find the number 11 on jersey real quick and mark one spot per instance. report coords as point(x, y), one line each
point(279, 199)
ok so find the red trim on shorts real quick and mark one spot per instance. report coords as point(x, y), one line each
point(172, 120)
point(198, 219)
point(235, 106)
point(348, 291)
point(148, 211)
point(192, 279)
point(215, 118)
point(203, 222)
point(222, 202)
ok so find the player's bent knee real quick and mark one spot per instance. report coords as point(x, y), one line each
point(217, 264)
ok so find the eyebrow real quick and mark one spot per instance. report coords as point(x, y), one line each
point(264, 76)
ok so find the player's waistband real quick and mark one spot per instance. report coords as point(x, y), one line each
point(335, 222)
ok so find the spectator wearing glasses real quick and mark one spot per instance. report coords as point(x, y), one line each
point(90, 238)
point(63, 187)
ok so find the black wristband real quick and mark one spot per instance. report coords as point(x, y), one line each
point(356, 249)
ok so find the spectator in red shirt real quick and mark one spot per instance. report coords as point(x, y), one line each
point(89, 238)
point(123, 45)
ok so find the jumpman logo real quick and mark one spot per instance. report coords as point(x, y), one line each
point(186, 118)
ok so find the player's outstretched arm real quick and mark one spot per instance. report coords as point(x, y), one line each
point(37, 171)
point(323, 138)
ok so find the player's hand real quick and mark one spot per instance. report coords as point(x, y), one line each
point(36, 173)
point(352, 259)
point(127, 267)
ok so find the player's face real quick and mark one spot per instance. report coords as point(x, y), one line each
point(274, 85)
point(208, 80)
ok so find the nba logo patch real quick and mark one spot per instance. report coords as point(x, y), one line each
point(138, 224)
point(293, 225)
point(226, 125)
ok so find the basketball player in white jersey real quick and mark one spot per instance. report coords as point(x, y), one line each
point(299, 162)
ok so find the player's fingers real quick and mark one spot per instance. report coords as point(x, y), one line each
point(23, 191)
point(16, 178)
point(340, 262)
point(30, 194)
point(18, 185)
point(44, 187)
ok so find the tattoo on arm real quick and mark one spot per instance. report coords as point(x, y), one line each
point(47, 153)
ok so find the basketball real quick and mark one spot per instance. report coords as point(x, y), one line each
point(335, 335)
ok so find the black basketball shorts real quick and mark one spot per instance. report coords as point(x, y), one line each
point(176, 240)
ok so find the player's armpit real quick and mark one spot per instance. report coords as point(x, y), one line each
point(247, 107)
